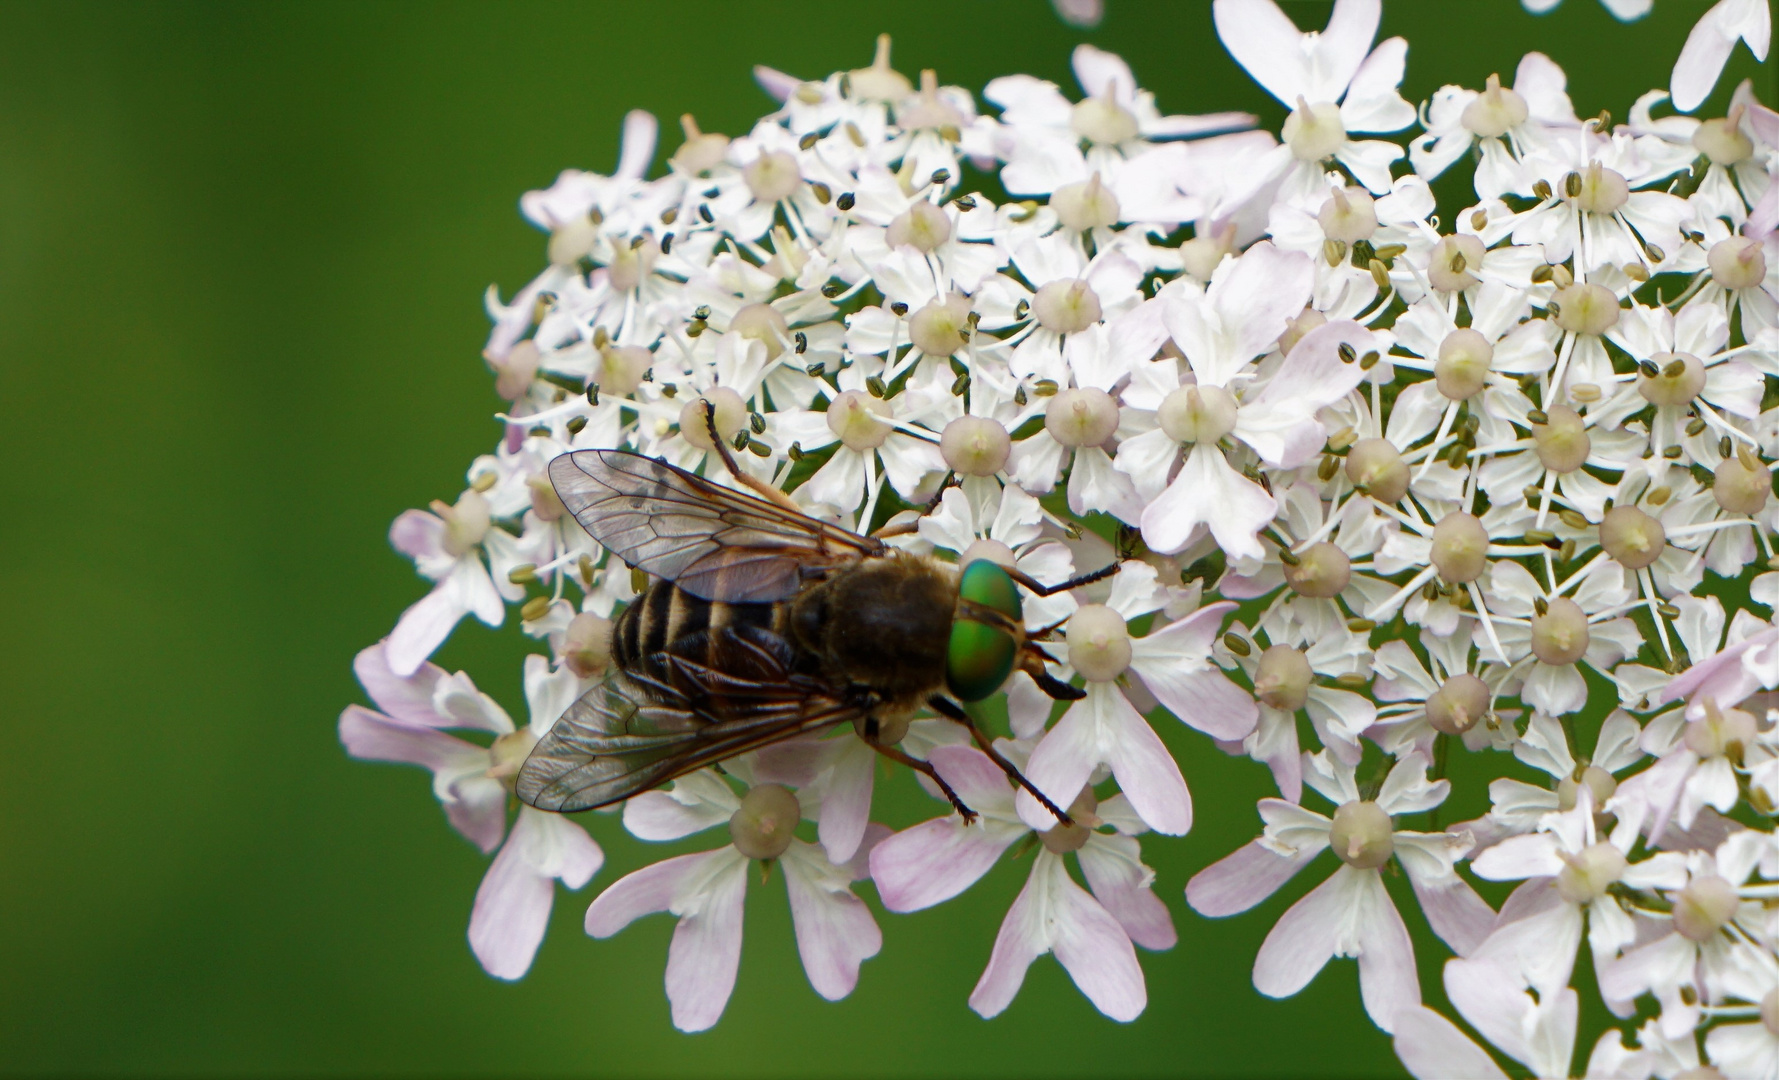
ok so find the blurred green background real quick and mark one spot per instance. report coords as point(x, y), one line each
point(242, 250)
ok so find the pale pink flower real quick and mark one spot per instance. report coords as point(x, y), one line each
point(448, 545)
point(1091, 934)
point(1350, 914)
point(1708, 47)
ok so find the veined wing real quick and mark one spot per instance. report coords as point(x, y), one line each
point(713, 542)
point(609, 746)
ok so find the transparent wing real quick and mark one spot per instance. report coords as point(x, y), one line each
point(715, 543)
point(612, 744)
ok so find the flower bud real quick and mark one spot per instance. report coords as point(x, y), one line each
point(1741, 487)
point(1085, 205)
point(1377, 465)
point(513, 374)
point(465, 523)
point(632, 263)
point(765, 324)
point(1458, 704)
point(1194, 414)
point(1200, 256)
point(621, 368)
point(1322, 570)
point(984, 548)
point(1586, 309)
point(890, 730)
point(1721, 140)
point(1348, 215)
point(1103, 121)
point(1314, 132)
point(1099, 643)
point(701, 152)
point(879, 82)
point(587, 646)
point(856, 418)
point(1462, 369)
point(1704, 906)
point(1307, 319)
point(731, 417)
point(1362, 835)
point(1600, 784)
point(1460, 547)
point(572, 241)
point(1560, 635)
point(1720, 732)
point(1061, 839)
point(1632, 537)
point(1738, 263)
point(1453, 262)
point(937, 329)
point(1283, 678)
point(1067, 306)
point(1495, 111)
point(922, 226)
point(975, 445)
point(1081, 417)
point(508, 753)
point(772, 176)
point(1601, 190)
point(1585, 877)
point(766, 823)
point(1562, 442)
point(1679, 378)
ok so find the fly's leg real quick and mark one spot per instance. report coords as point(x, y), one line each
point(1073, 583)
point(926, 769)
point(903, 528)
point(951, 710)
point(752, 483)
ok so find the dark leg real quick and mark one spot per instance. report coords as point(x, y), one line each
point(1073, 583)
point(952, 711)
point(1055, 687)
point(760, 487)
point(926, 769)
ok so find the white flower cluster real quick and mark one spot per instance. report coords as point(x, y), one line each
point(1398, 490)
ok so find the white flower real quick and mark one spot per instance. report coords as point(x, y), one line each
point(1708, 47)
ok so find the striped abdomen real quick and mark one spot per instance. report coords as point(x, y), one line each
point(666, 623)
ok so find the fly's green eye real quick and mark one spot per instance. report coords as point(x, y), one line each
point(978, 660)
point(980, 657)
point(985, 583)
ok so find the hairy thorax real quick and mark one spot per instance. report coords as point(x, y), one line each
point(882, 624)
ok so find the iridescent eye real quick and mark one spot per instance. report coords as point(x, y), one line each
point(980, 657)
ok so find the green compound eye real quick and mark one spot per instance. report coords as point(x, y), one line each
point(980, 657)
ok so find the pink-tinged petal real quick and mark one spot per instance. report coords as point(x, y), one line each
point(1092, 947)
point(976, 779)
point(1242, 879)
point(835, 930)
point(1061, 764)
point(1121, 883)
point(1708, 48)
point(1148, 775)
point(776, 83)
point(1103, 74)
point(424, 627)
point(1173, 664)
point(408, 698)
point(1257, 296)
point(1343, 45)
point(477, 808)
point(936, 860)
point(1267, 44)
point(1536, 934)
point(637, 150)
point(1519, 857)
point(1387, 978)
point(706, 950)
point(1490, 997)
point(418, 535)
point(846, 800)
point(1208, 492)
point(1460, 917)
point(1373, 103)
point(1308, 935)
point(1024, 936)
point(512, 908)
point(657, 816)
point(646, 892)
point(1432, 1048)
